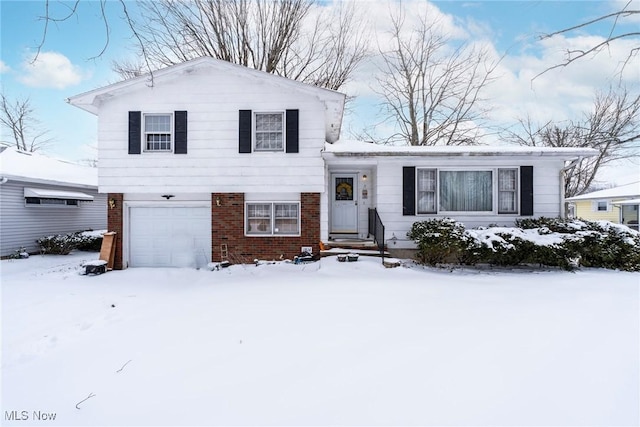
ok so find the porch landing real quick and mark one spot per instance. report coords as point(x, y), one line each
point(345, 246)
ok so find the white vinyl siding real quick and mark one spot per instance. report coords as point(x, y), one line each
point(213, 163)
point(21, 225)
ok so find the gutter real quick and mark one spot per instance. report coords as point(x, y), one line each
point(563, 172)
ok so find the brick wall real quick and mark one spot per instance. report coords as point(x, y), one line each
point(227, 226)
point(114, 223)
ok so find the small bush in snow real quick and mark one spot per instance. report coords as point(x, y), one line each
point(442, 241)
point(63, 244)
point(90, 241)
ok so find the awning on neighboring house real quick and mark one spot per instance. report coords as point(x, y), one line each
point(627, 202)
point(41, 193)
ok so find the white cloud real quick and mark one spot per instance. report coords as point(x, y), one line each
point(4, 68)
point(51, 70)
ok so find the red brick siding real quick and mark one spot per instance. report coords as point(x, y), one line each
point(227, 227)
point(114, 223)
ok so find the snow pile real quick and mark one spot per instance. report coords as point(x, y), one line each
point(325, 343)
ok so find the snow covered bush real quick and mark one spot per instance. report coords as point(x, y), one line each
point(604, 244)
point(543, 241)
point(442, 240)
point(90, 241)
point(63, 244)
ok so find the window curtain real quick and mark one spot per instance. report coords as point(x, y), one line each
point(466, 191)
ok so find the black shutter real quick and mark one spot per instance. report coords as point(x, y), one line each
point(408, 190)
point(180, 130)
point(292, 131)
point(135, 132)
point(244, 132)
point(526, 190)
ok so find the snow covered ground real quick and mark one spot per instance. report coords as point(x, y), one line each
point(326, 343)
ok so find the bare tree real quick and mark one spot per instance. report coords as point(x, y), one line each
point(616, 18)
point(317, 44)
point(282, 37)
point(612, 128)
point(431, 90)
point(18, 117)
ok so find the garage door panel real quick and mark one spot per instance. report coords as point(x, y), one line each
point(169, 237)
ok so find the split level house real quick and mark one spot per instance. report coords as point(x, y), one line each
point(208, 159)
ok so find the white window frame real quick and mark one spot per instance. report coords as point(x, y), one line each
point(171, 133)
point(256, 132)
point(515, 191)
point(272, 231)
point(495, 188)
point(596, 206)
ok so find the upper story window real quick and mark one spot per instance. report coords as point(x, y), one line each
point(269, 131)
point(157, 132)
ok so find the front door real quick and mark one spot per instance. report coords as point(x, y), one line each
point(344, 205)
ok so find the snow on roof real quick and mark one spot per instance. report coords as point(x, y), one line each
point(33, 167)
point(361, 148)
point(620, 192)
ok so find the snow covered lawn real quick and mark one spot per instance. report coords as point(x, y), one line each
point(327, 343)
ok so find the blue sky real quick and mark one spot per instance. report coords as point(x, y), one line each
point(65, 67)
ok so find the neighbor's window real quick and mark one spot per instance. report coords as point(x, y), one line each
point(157, 132)
point(507, 190)
point(427, 188)
point(602, 206)
point(56, 202)
point(466, 191)
point(269, 131)
point(268, 219)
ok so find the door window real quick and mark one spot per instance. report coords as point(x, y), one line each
point(344, 188)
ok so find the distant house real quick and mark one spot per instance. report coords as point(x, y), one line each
point(618, 205)
point(42, 196)
point(216, 159)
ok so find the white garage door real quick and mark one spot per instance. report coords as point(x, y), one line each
point(169, 237)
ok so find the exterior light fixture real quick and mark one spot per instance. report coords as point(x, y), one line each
point(168, 196)
point(112, 203)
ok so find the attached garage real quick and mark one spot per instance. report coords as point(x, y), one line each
point(169, 236)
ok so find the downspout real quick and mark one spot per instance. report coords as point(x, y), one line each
point(563, 172)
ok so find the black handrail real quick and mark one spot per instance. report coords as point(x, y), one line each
point(376, 229)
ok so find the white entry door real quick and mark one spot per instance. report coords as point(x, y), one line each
point(344, 203)
point(169, 236)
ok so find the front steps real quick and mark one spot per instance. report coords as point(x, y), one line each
point(345, 246)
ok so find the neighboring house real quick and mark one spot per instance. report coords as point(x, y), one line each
point(618, 204)
point(42, 196)
point(210, 156)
